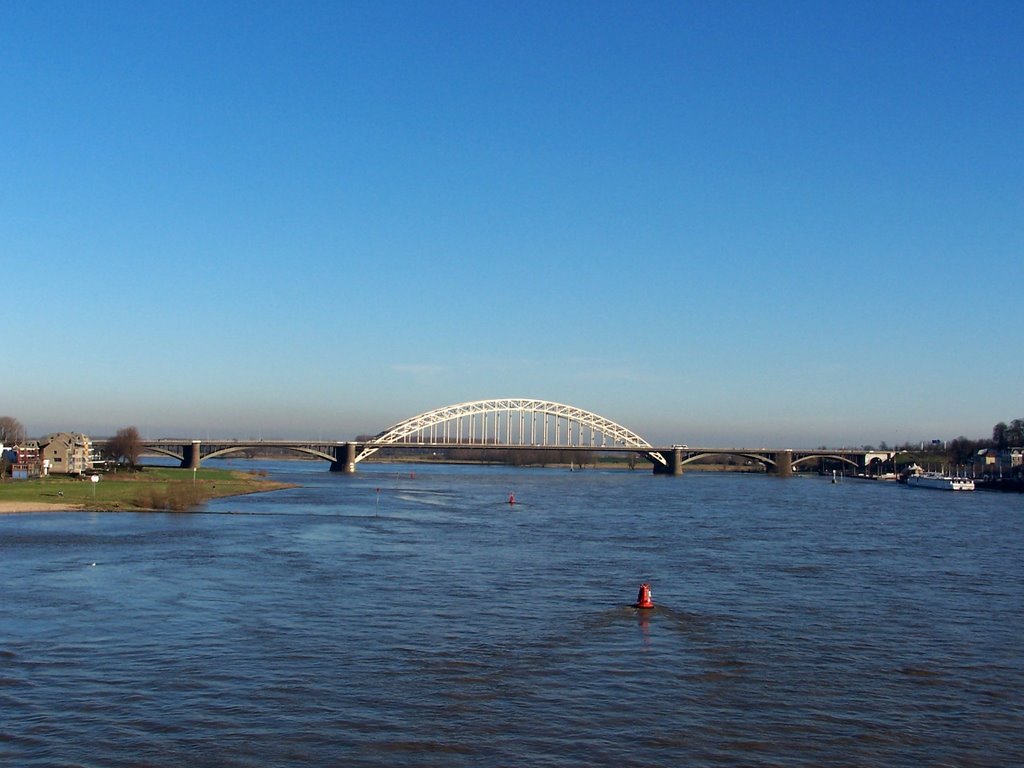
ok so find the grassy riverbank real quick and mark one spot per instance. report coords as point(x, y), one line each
point(149, 489)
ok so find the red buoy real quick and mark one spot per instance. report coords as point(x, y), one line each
point(511, 498)
point(643, 598)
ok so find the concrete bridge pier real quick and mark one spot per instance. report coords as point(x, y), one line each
point(783, 464)
point(675, 463)
point(190, 455)
point(344, 458)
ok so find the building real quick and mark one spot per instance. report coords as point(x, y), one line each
point(1016, 457)
point(993, 463)
point(986, 461)
point(65, 453)
point(24, 460)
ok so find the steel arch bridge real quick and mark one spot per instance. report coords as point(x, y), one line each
point(511, 423)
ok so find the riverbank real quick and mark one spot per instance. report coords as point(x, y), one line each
point(151, 489)
point(14, 507)
point(1003, 484)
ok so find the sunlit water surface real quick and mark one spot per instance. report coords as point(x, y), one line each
point(409, 616)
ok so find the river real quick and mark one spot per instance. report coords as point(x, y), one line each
point(409, 616)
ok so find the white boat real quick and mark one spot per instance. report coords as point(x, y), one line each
point(940, 482)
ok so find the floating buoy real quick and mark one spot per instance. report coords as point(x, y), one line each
point(643, 597)
point(511, 498)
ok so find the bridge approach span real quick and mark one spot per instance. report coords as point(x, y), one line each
point(784, 461)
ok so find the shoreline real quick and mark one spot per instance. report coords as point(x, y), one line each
point(16, 507)
point(155, 490)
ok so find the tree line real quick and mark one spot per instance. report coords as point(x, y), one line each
point(962, 450)
point(519, 457)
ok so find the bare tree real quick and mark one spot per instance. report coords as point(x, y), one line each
point(125, 446)
point(11, 430)
point(962, 450)
point(1015, 433)
point(999, 435)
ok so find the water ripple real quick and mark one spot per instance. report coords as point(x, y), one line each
point(796, 623)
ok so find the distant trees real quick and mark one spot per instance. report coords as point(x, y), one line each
point(1008, 435)
point(125, 446)
point(999, 435)
point(962, 450)
point(11, 430)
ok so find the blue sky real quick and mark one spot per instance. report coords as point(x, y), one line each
point(795, 223)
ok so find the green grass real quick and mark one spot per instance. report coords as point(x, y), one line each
point(151, 488)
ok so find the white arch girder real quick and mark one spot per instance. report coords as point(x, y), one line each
point(572, 416)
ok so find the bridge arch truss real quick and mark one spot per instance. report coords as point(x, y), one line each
point(511, 422)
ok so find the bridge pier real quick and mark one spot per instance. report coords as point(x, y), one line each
point(675, 463)
point(344, 459)
point(783, 464)
point(191, 456)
